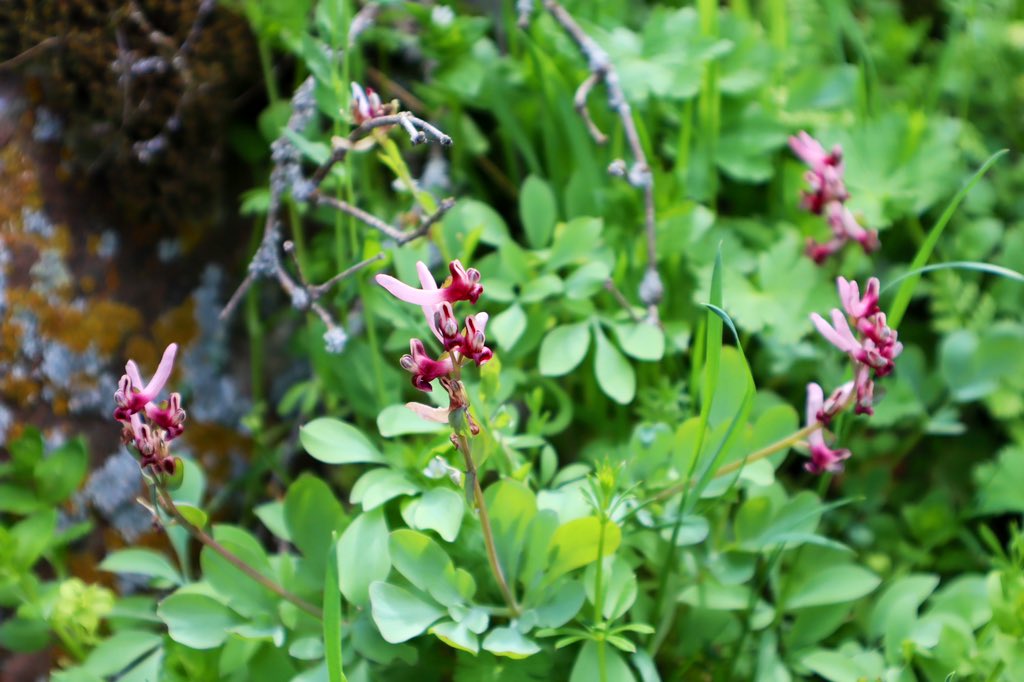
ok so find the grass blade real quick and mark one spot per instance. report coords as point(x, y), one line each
point(332, 616)
point(906, 290)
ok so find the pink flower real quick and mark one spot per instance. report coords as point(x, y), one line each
point(131, 396)
point(823, 458)
point(838, 333)
point(366, 104)
point(855, 306)
point(463, 285)
point(875, 347)
point(828, 196)
point(424, 368)
point(845, 226)
point(168, 416)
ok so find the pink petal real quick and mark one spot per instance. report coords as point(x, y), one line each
point(404, 292)
point(431, 414)
point(163, 373)
point(815, 401)
point(132, 370)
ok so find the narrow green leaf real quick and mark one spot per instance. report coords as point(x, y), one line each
point(332, 617)
point(906, 290)
point(988, 268)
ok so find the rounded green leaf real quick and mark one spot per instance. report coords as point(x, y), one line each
point(193, 514)
point(641, 340)
point(575, 544)
point(563, 349)
point(614, 374)
point(399, 614)
point(196, 620)
point(363, 556)
point(334, 442)
point(831, 585)
point(539, 211)
point(457, 636)
point(510, 643)
point(440, 510)
point(507, 326)
point(425, 564)
point(399, 420)
point(312, 514)
point(142, 562)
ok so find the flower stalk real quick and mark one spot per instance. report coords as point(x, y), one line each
point(167, 504)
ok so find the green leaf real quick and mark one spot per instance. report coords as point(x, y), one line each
point(615, 375)
point(31, 537)
point(272, 516)
point(457, 636)
point(999, 483)
point(196, 620)
point(831, 585)
point(377, 486)
point(440, 510)
point(575, 544)
point(24, 634)
point(241, 592)
point(512, 506)
point(363, 556)
point(508, 326)
point(540, 288)
point(334, 442)
point(193, 514)
point(510, 643)
point(587, 280)
point(575, 242)
point(399, 420)
point(117, 653)
point(588, 669)
point(641, 340)
point(332, 616)
point(425, 564)
point(143, 562)
point(563, 349)
point(539, 211)
point(60, 474)
point(399, 614)
point(27, 450)
point(312, 515)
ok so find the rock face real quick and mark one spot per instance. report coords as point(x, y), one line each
point(144, 89)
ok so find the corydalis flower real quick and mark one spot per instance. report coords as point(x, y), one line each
point(873, 348)
point(438, 310)
point(463, 285)
point(828, 196)
point(147, 426)
point(131, 396)
point(819, 411)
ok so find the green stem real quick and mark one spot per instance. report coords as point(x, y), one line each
point(602, 666)
point(167, 504)
point(485, 525)
point(766, 451)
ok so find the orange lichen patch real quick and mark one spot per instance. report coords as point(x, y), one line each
point(177, 325)
point(217, 444)
point(22, 391)
point(104, 325)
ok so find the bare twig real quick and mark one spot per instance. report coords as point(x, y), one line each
point(28, 54)
point(286, 177)
point(609, 284)
point(639, 174)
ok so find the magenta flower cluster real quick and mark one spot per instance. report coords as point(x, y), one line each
point(147, 425)
point(861, 331)
point(828, 197)
point(437, 304)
